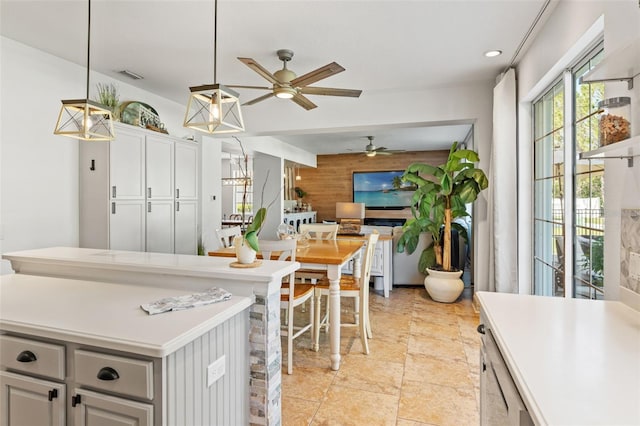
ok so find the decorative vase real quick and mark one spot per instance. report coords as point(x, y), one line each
point(443, 286)
point(244, 252)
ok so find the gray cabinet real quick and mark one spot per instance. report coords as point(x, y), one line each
point(27, 400)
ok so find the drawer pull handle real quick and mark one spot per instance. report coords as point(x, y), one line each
point(75, 400)
point(108, 373)
point(53, 393)
point(480, 329)
point(26, 356)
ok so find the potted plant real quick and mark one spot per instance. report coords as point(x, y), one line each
point(441, 195)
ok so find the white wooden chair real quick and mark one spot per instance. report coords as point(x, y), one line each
point(292, 294)
point(320, 231)
point(357, 288)
point(226, 235)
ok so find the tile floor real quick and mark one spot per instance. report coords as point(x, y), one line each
point(422, 368)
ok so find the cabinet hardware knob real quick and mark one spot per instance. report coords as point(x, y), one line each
point(149, 193)
point(113, 191)
point(480, 329)
point(26, 356)
point(177, 206)
point(149, 207)
point(113, 208)
point(108, 373)
point(177, 192)
point(93, 165)
point(53, 393)
point(75, 400)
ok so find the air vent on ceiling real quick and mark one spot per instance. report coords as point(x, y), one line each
point(131, 74)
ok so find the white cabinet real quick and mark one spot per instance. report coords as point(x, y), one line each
point(186, 230)
point(129, 188)
point(186, 198)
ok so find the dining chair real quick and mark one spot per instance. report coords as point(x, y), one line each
point(320, 231)
point(358, 288)
point(226, 235)
point(292, 294)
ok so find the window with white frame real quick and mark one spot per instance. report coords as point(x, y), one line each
point(568, 201)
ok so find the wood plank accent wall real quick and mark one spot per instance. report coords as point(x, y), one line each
point(331, 181)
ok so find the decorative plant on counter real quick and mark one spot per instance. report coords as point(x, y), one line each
point(440, 196)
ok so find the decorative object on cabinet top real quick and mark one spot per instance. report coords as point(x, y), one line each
point(142, 115)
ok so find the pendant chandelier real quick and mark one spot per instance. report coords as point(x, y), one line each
point(214, 108)
point(82, 118)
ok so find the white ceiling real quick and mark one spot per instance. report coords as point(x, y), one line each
point(385, 45)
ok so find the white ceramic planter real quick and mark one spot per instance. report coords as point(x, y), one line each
point(244, 252)
point(443, 286)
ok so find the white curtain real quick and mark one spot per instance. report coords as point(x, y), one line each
point(503, 188)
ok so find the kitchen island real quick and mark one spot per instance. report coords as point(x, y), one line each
point(93, 343)
point(189, 273)
point(573, 361)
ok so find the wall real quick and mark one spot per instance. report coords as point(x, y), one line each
point(567, 33)
point(332, 180)
point(39, 171)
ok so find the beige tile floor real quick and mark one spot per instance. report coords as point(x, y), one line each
point(422, 368)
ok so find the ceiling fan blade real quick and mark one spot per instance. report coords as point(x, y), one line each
point(303, 102)
point(259, 69)
point(328, 91)
point(259, 99)
point(384, 152)
point(235, 86)
point(317, 75)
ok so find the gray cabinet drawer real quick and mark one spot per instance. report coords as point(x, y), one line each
point(134, 377)
point(43, 359)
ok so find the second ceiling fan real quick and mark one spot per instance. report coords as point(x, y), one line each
point(287, 85)
point(371, 150)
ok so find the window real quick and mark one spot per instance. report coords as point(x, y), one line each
point(568, 201)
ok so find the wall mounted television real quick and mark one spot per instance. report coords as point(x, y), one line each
point(382, 190)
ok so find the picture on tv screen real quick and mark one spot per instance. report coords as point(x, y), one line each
point(382, 190)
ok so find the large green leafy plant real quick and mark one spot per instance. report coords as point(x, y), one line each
point(441, 195)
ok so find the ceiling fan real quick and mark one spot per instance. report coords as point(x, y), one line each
point(371, 150)
point(287, 85)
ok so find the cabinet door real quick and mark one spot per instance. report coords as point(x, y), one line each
point(126, 169)
point(103, 410)
point(28, 401)
point(160, 226)
point(159, 173)
point(186, 171)
point(127, 225)
point(186, 230)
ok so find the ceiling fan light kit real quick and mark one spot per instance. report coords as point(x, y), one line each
point(371, 150)
point(82, 118)
point(214, 108)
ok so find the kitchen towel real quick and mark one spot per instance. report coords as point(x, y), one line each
point(178, 303)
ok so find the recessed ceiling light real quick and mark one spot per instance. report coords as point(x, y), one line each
point(492, 53)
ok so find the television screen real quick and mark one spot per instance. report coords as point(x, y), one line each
point(382, 190)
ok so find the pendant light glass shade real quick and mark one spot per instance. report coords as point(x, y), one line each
point(85, 120)
point(214, 108)
point(82, 118)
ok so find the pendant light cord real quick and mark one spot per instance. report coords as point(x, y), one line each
point(215, 42)
point(88, 46)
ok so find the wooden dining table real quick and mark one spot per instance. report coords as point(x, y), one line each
point(330, 256)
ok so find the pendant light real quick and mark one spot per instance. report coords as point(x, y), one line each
point(82, 118)
point(298, 177)
point(214, 108)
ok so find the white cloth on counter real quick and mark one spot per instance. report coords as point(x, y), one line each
point(178, 303)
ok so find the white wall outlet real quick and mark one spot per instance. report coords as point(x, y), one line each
point(215, 370)
point(634, 266)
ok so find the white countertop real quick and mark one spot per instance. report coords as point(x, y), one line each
point(575, 362)
point(106, 315)
point(188, 265)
